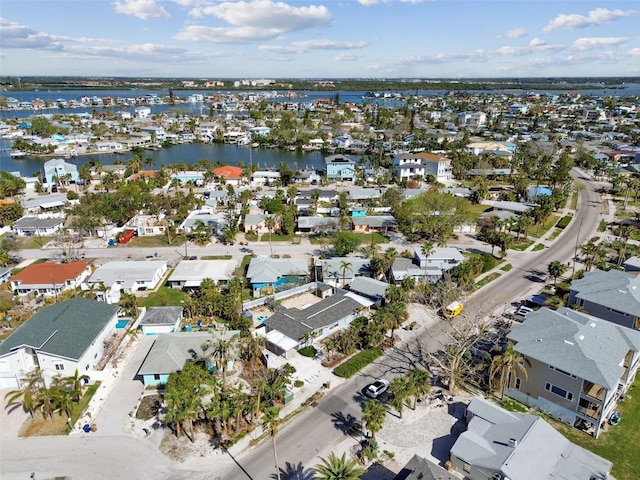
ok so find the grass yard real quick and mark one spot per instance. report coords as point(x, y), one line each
point(475, 210)
point(216, 257)
point(33, 242)
point(506, 268)
point(276, 237)
point(619, 444)
point(163, 297)
point(538, 231)
point(574, 200)
point(554, 234)
point(152, 241)
point(486, 280)
point(369, 238)
point(538, 247)
point(522, 246)
point(603, 226)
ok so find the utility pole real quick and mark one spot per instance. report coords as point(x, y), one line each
point(575, 252)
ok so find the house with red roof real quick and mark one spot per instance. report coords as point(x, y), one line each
point(49, 279)
point(231, 175)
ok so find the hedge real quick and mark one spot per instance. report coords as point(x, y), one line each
point(357, 362)
point(308, 351)
point(564, 221)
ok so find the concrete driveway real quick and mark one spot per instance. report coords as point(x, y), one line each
point(11, 418)
point(126, 390)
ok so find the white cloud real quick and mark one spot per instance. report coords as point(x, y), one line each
point(595, 17)
point(242, 35)
point(20, 36)
point(515, 33)
point(143, 9)
point(634, 52)
point(268, 15)
point(588, 43)
point(328, 45)
point(537, 42)
point(347, 57)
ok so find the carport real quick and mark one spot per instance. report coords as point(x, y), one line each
point(277, 342)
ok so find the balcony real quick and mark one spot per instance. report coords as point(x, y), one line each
point(589, 409)
point(594, 391)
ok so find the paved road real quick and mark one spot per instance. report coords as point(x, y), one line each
point(318, 429)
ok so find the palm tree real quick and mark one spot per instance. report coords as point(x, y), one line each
point(271, 421)
point(338, 468)
point(420, 383)
point(591, 252)
point(76, 382)
point(221, 349)
point(427, 250)
point(400, 389)
point(373, 415)
point(505, 368)
point(344, 265)
point(28, 395)
point(270, 223)
point(556, 268)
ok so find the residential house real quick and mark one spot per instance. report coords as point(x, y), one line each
point(340, 168)
point(315, 225)
point(422, 267)
point(502, 205)
point(189, 274)
point(214, 221)
point(59, 339)
point(341, 271)
point(231, 175)
point(374, 224)
point(145, 225)
point(113, 278)
point(409, 166)
point(5, 274)
point(59, 172)
point(170, 351)
point(49, 279)
point(499, 444)
point(46, 206)
point(264, 178)
point(256, 223)
point(612, 296)
point(374, 290)
point(34, 226)
point(578, 366)
point(188, 176)
point(292, 328)
point(418, 468)
point(156, 320)
point(632, 265)
point(270, 275)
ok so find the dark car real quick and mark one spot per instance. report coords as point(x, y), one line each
point(377, 388)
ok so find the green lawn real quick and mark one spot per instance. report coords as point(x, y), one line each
point(554, 234)
point(276, 237)
point(506, 268)
point(475, 210)
point(538, 231)
point(34, 242)
point(603, 226)
point(538, 247)
point(619, 444)
point(574, 201)
point(486, 280)
point(216, 257)
point(154, 241)
point(522, 246)
point(163, 297)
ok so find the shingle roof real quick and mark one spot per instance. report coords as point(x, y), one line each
point(612, 289)
point(294, 323)
point(369, 287)
point(170, 351)
point(65, 329)
point(419, 468)
point(539, 452)
point(161, 315)
point(269, 270)
point(377, 221)
point(49, 273)
point(35, 223)
point(587, 347)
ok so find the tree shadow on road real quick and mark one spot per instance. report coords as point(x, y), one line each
point(294, 472)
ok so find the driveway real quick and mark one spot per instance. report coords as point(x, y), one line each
point(11, 418)
point(127, 389)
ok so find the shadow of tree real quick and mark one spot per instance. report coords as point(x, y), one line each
point(294, 472)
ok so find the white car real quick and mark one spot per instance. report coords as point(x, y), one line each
point(377, 388)
point(520, 314)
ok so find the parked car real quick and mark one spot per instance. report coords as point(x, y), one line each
point(377, 388)
point(520, 313)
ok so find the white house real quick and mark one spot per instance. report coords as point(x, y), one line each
point(125, 276)
point(409, 166)
point(59, 339)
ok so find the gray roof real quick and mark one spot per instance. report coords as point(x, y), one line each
point(364, 193)
point(406, 268)
point(517, 207)
point(45, 199)
point(294, 323)
point(369, 287)
point(269, 270)
point(540, 452)
point(66, 329)
point(316, 222)
point(126, 272)
point(418, 468)
point(632, 263)
point(339, 159)
point(378, 221)
point(170, 351)
point(33, 223)
point(613, 289)
point(198, 270)
point(255, 219)
point(585, 346)
point(162, 316)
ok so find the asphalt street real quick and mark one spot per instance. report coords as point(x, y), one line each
point(316, 429)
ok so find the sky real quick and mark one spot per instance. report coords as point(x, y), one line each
point(320, 39)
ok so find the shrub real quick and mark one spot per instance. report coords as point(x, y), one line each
point(357, 362)
point(489, 262)
point(308, 351)
point(298, 383)
point(564, 221)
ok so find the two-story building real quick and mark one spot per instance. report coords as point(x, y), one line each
point(423, 267)
point(612, 296)
point(410, 166)
point(59, 339)
point(578, 366)
point(340, 168)
point(270, 275)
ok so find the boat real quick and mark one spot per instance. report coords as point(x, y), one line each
point(17, 154)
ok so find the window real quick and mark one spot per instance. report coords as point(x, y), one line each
point(156, 376)
point(518, 383)
point(561, 392)
point(562, 371)
point(467, 468)
point(59, 366)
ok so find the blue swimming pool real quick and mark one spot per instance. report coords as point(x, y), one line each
point(122, 323)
